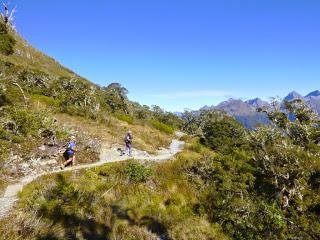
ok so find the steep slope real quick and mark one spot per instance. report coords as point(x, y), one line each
point(25, 56)
point(43, 103)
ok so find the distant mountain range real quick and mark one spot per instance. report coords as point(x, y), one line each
point(245, 111)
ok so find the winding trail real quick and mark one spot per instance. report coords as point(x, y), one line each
point(106, 156)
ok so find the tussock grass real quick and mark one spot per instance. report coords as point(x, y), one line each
point(125, 118)
point(3, 184)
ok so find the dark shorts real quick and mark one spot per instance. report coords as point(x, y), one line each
point(68, 154)
point(129, 145)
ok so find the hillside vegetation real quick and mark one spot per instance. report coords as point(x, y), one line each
point(43, 103)
point(228, 183)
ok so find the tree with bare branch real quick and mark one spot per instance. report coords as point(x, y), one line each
point(7, 15)
point(7, 41)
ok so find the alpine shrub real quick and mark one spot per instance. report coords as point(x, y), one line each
point(7, 42)
point(137, 172)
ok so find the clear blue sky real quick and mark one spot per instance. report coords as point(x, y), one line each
point(180, 53)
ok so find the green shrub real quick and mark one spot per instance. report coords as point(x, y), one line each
point(7, 42)
point(62, 135)
point(162, 127)
point(125, 118)
point(223, 134)
point(3, 133)
point(46, 100)
point(137, 172)
point(29, 122)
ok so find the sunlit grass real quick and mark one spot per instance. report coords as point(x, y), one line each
point(116, 207)
point(113, 130)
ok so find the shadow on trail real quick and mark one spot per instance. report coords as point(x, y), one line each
point(79, 228)
point(73, 226)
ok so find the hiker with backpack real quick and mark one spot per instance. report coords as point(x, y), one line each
point(128, 141)
point(69, 154)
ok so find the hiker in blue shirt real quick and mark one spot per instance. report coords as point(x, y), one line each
point(69, 154)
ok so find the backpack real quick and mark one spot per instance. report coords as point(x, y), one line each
point(126, 140)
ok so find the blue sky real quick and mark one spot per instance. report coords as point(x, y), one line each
point(180, 53)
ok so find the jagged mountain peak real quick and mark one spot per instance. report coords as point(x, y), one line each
point(257, 103)
point(292, 96)
point(245, 111)
point(231, 101)
point(314, 94)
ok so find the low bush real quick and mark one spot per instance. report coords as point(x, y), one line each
point(137, 172)
point(28, 122)
point(162, 127)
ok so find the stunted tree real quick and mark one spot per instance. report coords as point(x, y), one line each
point(222, 132)
point(262, 184)
point(190, 122)
point(297, 121)
point(116, 97)
point(141, 112)
point(287, 156)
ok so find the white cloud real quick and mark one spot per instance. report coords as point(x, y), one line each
point(194, 94)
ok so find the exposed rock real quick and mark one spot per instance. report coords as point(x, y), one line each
point(42, 148)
